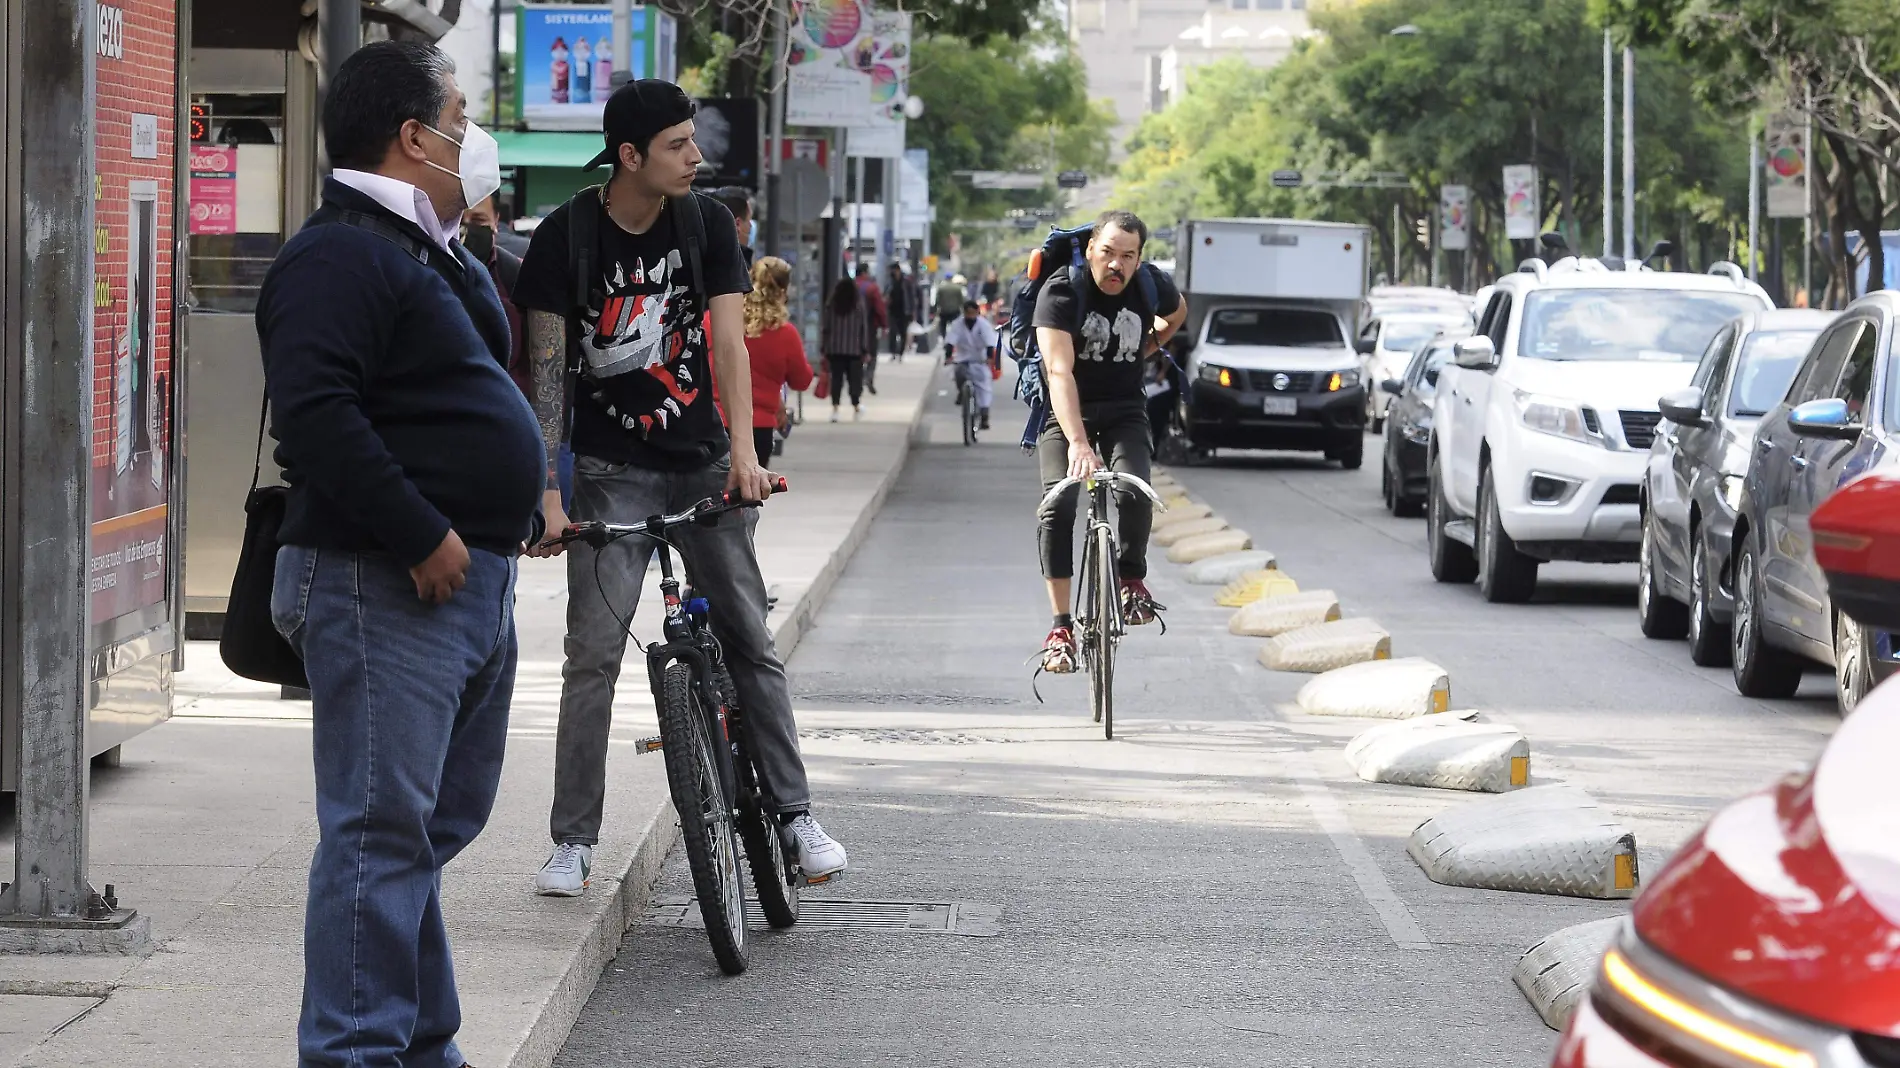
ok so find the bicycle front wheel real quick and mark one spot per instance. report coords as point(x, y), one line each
point(1107, 611)
point(968, 393)
point(706, 823)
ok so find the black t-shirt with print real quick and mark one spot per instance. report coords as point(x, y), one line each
point(645, 394)
point(1108, 346)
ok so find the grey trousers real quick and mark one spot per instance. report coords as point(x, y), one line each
point(720, 566)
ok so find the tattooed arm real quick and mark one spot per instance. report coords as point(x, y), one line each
point(547, 365)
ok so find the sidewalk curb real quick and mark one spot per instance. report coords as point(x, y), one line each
point(633, 888)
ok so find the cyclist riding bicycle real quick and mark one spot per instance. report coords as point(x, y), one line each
point(1100, 411)
point(971, 340)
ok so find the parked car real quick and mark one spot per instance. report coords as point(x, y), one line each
point(1405, 480)
point(1696, 470)
point(1769, 939)
point(1543, 420)
point(1837, 421)
point(1387, 343)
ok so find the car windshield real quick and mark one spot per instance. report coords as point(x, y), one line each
point(1407, 336)
point(1290, 327)
point(1769, 361)
point(1664, 325)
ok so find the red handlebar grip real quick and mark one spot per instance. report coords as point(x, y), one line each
point(781, 486)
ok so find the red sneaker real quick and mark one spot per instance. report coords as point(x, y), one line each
point(1138, 607)
point(1058, 651)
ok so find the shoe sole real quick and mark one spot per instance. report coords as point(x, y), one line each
point(550, 891)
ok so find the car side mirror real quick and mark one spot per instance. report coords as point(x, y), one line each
point(1431, 376)
point(1827, 418)
point(1393, 386)
point(1684, 407)
point(1475, 353)
point(1365, 346)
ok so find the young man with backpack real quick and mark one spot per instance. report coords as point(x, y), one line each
point(1094, 310)
point(617, 286)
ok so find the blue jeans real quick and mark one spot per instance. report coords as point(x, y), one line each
point(409, 717)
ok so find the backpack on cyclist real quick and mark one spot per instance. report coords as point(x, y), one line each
point(1062, 248)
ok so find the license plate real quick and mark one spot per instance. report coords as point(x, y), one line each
point(1281, 405)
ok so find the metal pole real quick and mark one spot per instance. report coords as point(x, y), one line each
point(775, 145)
point(341, 22)
point(1629, 153)
point(1395, 242)
point(1609, 147)
point(494, 65)
point(49, 333)
point(887, 241)
point(622, 71)
point(857, 204)
point(1807, 207)
point(1754, 198)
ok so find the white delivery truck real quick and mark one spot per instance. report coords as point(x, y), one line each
point(1270, 361)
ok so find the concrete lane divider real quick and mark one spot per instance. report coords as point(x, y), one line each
point(1277, 615)
point(1180, 513)
point(1173, 532)
point(1554, 975)
point(1225, 568)
point(1445, 751)
point(1193, 550)
point(1256, 586)
point(1326, 646)
point(1175, 500)
point(1406, 688)
point(1541, 840)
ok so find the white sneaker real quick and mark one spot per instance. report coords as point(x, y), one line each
point(857, 413)
point(565, 873)
point(818, 852)
point(834, 413)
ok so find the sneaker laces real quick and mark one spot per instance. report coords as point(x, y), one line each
point(810, 833)
point(1058, 646)
point(566, 859)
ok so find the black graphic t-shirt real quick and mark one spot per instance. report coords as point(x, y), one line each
point(1108, 346)
point(645, 394)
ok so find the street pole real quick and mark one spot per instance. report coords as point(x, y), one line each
point(857, 205)
point(341, 25)
point(1807, 207)
point(1609, 147)
point(1754, 197)
point(622, 71)
point(887, 241)
point(1629, 153)
point(494, 65)
point(50, 905)
point(775, 144)
point(1395, 242)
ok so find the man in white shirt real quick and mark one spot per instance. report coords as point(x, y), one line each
point(971, 341)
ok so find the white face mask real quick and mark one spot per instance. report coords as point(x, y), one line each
point(481, 163)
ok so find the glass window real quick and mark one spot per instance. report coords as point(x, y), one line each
point(1407, 336)
point(1500, 320)
point(1768, 363)
point(1424, 377)
point(1857, 376)
point(1288, 327)
point(1712, 357)
point(1822, 367)
point(1667, 326)
point(235, 219)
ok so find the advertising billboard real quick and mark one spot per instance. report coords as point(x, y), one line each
point(1522, 214)
point(840, 72)
point(1454, 218)
point(565, 63)
point(1785, 167)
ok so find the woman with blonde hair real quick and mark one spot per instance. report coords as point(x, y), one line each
point(778, 355)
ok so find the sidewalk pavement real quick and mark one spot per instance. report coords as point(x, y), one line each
point(208, 825)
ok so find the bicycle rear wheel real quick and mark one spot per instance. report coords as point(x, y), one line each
point(1107, 611)
point(706, 824)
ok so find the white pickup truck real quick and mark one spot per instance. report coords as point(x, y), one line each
point(1542, 423)
point(1271, 307)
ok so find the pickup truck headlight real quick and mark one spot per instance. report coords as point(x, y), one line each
point(1339, 380)
point(1555, 416)
point(1221, 376)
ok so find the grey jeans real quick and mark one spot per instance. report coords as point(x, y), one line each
point(720, 566)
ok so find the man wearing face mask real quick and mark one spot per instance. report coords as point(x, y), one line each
point(971, 339)
point(415, 469)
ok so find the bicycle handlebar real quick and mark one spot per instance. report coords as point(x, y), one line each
point(1110, 477)
point(599, 534)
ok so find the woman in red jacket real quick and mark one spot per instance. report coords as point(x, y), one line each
point(778, 355)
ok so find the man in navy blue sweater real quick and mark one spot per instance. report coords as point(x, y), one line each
point(415, 469)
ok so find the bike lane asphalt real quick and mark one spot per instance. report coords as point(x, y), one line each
point(208, 825)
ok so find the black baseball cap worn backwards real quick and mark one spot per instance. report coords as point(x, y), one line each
point(638, 110)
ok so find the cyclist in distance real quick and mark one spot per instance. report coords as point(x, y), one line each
point(971, 339)
point(1095, 330)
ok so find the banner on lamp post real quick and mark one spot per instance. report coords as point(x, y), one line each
point(1454, 218)
point(849, 65)
point(1523, 215)
point(1785, 166)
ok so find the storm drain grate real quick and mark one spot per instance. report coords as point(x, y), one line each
point(902, 735)
point(952, 917)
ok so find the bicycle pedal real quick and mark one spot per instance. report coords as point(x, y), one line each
point(649, 745)
point(824, 880)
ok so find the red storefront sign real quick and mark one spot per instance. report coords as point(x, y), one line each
point(213, 189)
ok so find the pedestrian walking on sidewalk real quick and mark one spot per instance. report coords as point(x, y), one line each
point(415, 469)
point(880, 318)
point(847, 339)
point(617, 286)
point(902, 311)
point(775, 349)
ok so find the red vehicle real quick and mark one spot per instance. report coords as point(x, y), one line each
point(1856, 536)
point(1773, 937)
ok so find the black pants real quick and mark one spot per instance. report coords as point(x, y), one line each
point(1119, 432)
point(900, 333)
point(762, 444)
point(843, 367)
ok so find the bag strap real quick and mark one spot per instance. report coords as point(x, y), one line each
point(689, 225)
point(582, 246)
point(449, 266)
point(257, 458)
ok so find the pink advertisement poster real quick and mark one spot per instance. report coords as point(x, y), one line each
point(213, 189)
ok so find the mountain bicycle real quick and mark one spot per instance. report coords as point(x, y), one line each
point(1099, 626)
point(710, 770)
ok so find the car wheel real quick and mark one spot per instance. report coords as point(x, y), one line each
point(1385, 486)
point(1452, 561)
point(1708, 636)
point(1351, 454)
point(1505, 576)
point(1853, 665)
point(1761, 670)
point(1660, 616)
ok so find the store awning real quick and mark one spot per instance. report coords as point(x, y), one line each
point(571, 150)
